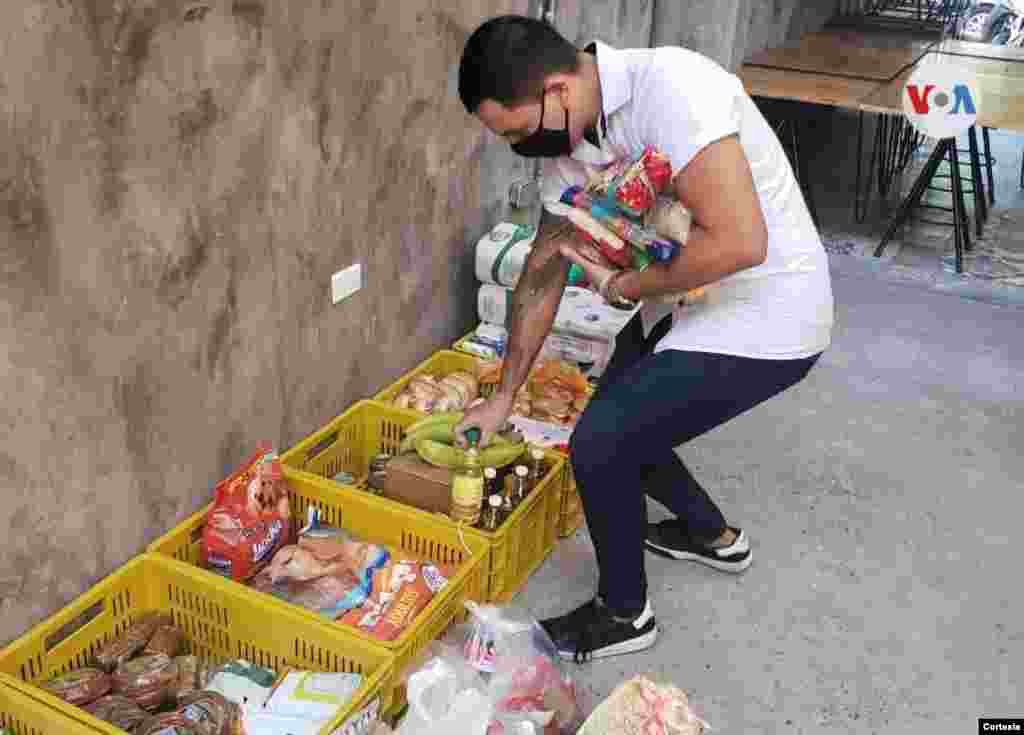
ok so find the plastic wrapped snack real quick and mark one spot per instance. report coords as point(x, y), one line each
point(633, 186)
point(210, 713)
point(400, 592)
point(149, 680)
point(167, 639)
point(132, 641)
point(250, 519)
point(79, 687)
point(118, 711)
point(188, 677)
point(297, 578)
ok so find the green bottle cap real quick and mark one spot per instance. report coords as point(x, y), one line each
point(576, 274)
point(473, 436)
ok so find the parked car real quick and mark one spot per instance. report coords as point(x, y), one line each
point(1012, 31)
point(986, 20)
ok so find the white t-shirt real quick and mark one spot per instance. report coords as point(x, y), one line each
point(679, 102)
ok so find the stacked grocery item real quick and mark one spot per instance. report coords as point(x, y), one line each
point(630, 217)
point(142, 682)
point(547, 406)
point(480, 487)
point(585, 327)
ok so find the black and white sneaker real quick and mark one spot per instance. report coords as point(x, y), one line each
point(592, 631)
point(670, 539)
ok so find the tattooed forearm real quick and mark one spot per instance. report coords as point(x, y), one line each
point(534, 304)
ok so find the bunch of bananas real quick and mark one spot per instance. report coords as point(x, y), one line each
point(433, 439)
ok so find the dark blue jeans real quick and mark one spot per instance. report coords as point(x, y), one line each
point(623, 446)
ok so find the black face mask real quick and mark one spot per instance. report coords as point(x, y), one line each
point(543, 142)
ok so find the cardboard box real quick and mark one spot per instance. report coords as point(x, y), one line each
point(414, 482)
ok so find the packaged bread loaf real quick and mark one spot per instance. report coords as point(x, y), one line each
point(79, 687)
point(167, 639)
point(131, 642)
point(188, 677)
point(148, 680)
point(210, 713)
point(118, 711)
point(171, 723)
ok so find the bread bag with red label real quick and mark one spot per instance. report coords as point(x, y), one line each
point(250, 519)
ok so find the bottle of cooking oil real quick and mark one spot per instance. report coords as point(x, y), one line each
point(468, 487)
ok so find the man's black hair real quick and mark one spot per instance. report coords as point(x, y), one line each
point(507, 59)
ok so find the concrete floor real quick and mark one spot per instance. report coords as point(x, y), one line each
point(882, 496)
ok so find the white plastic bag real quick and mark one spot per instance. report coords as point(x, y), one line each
point(446, 697)
point(525, 675)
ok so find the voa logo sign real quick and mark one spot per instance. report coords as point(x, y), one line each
point(940, 102)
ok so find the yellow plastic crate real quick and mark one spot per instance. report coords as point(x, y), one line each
point(370, 519)
point(570, 509)
point(220, 620)
point(368, 428)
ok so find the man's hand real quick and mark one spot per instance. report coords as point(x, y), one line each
point(598, 268)
point(489, 417)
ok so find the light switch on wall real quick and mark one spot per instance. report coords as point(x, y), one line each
point(346, 282)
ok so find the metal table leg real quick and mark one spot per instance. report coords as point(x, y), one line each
point(980, 200)
point(916, 192)
point(961, 228)
point(803, 170)
point(791, 127)
point(988, 166)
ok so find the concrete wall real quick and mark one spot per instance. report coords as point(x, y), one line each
point(178, 180)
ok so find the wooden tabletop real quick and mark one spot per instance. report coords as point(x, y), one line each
point(980, 50)
point(871, 56)
point(1000, 103)
point(818, 89)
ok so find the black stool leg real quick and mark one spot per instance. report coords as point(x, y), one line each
point(802, 169)
point(858, 213)
point(988, 165)
point(980, 200)
point(916, 192)
point(962, 227)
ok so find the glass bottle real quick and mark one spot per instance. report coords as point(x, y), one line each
point(521, 486)
point(377, 479)
point(508, 495)
point(536, 466)
point(468, 489)
point(490, 481)
point(492, 516)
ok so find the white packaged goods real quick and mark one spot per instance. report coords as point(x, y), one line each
point(489, 341)
point(581, 312)
point(501, 253)
point(580, 349)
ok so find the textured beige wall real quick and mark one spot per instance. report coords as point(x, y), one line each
point(177, 183)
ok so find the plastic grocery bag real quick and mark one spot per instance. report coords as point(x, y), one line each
point(447, 697)
point(643, 707)
point(525, 674)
